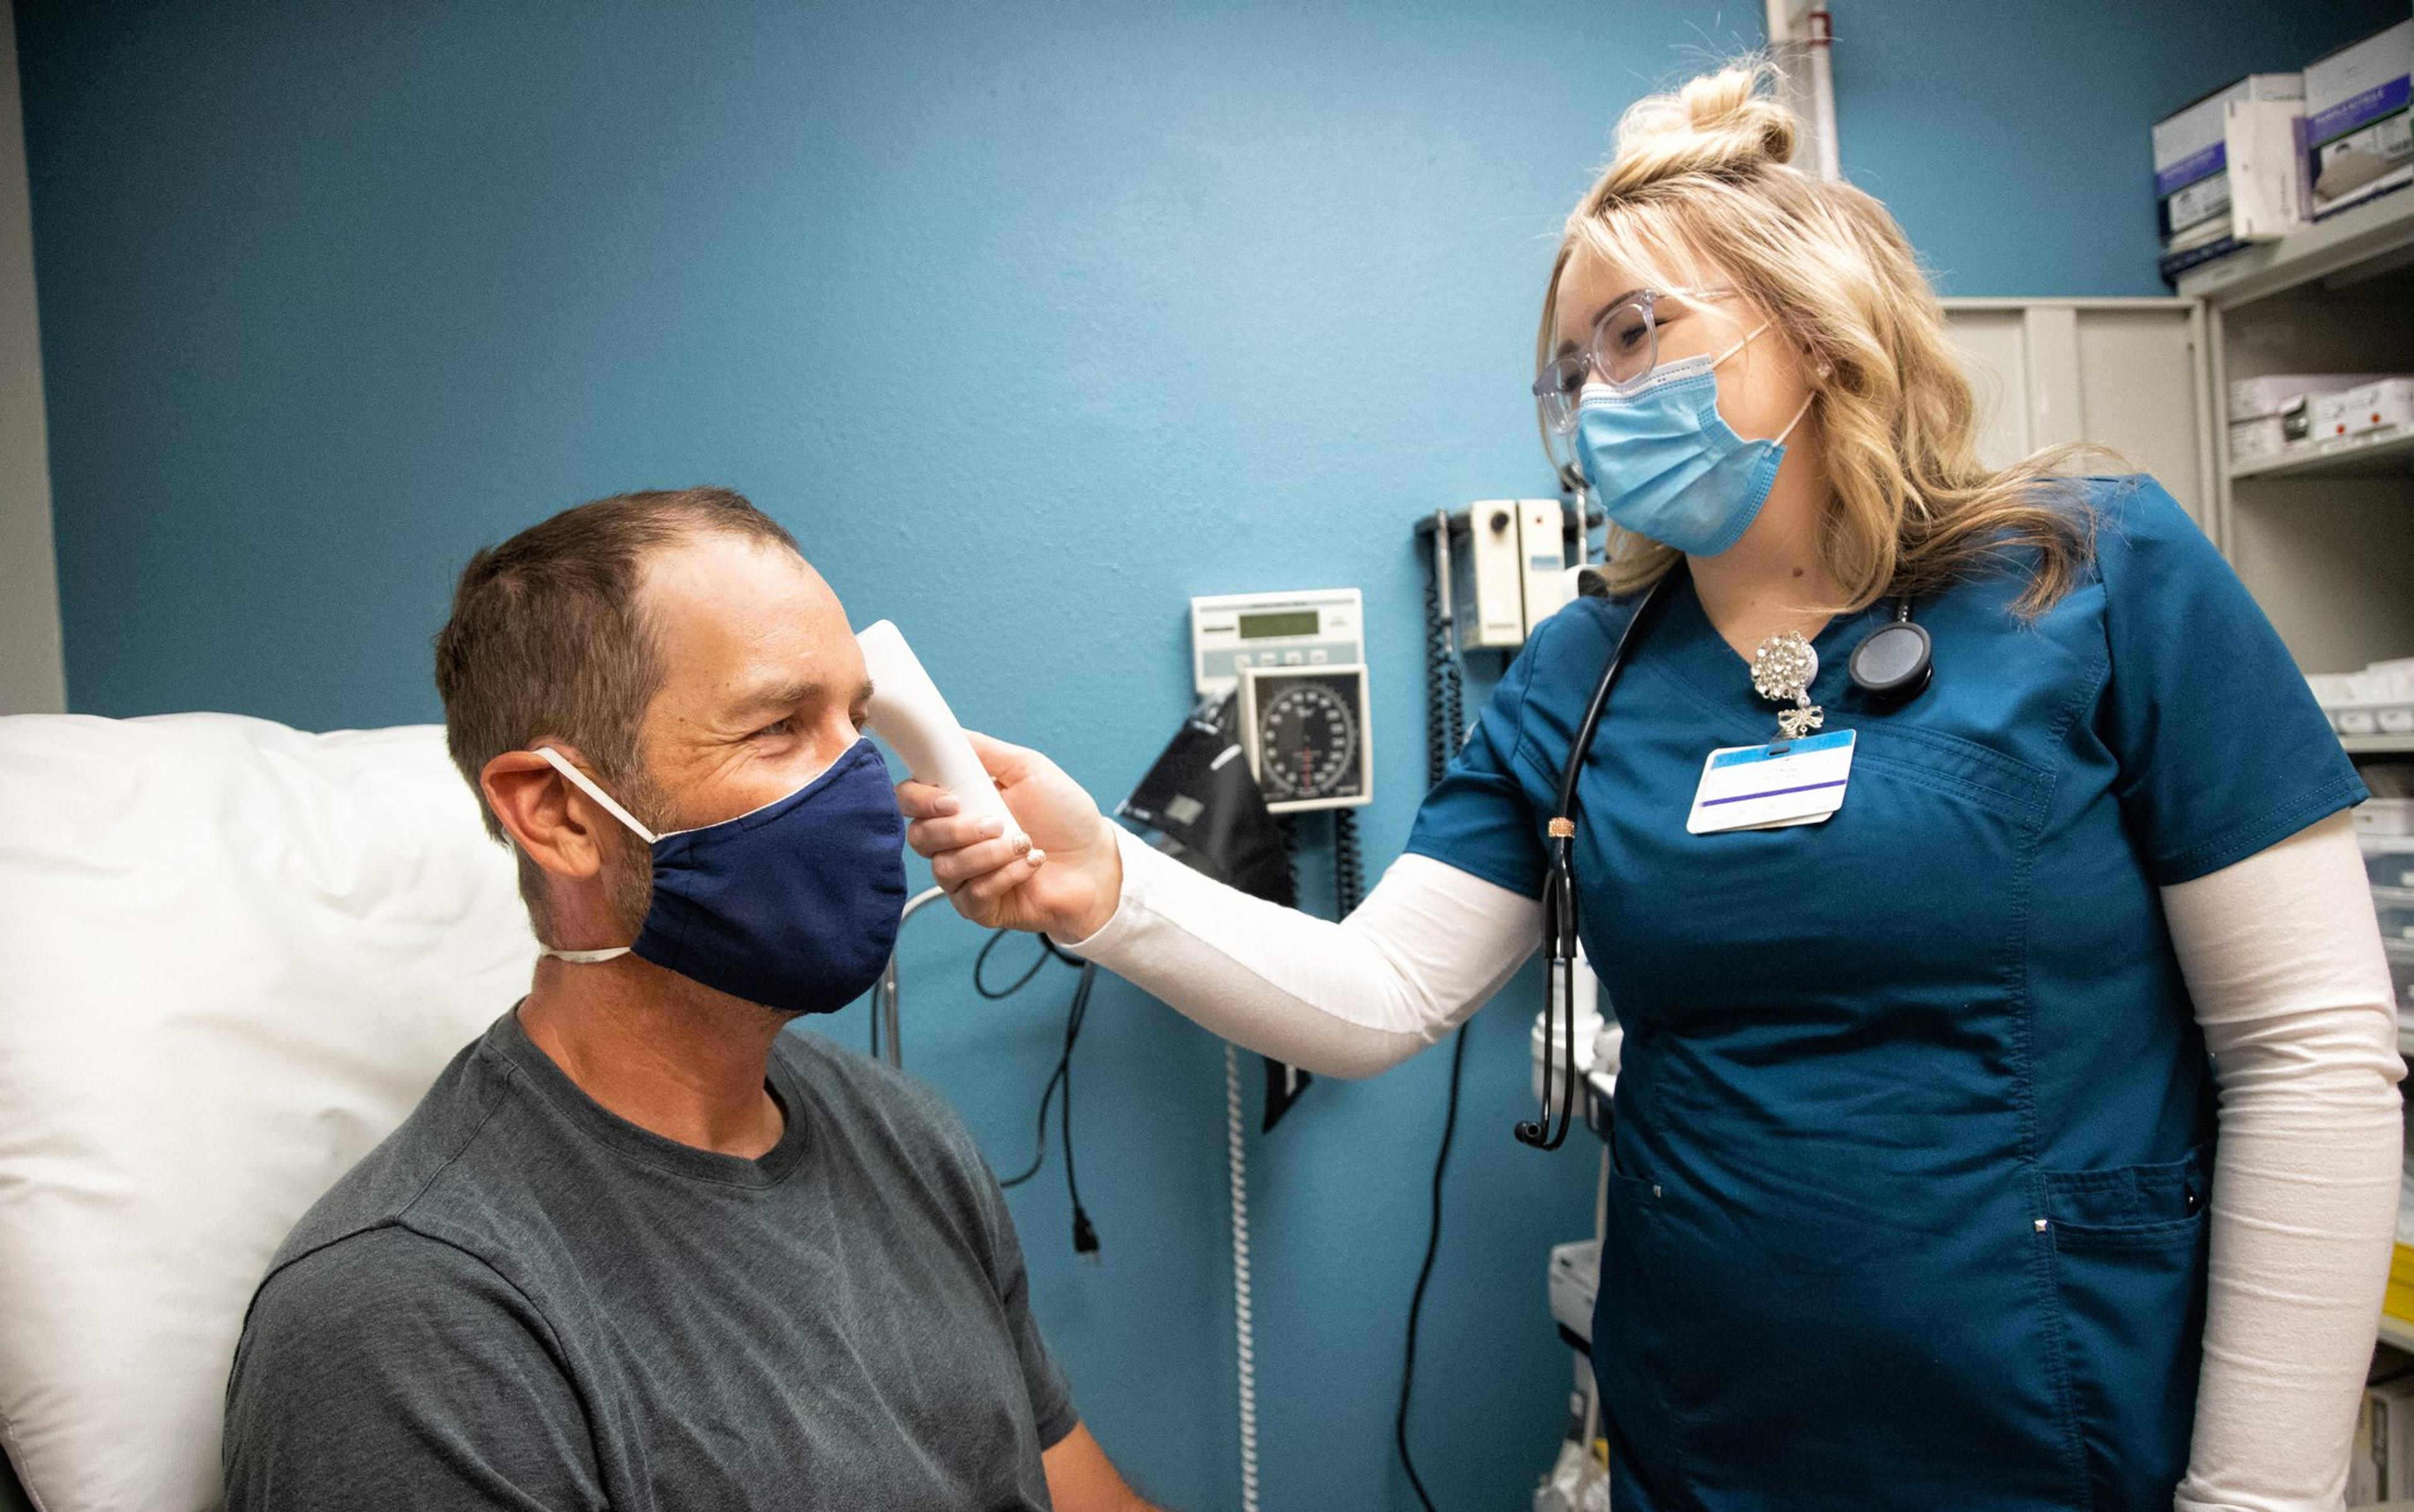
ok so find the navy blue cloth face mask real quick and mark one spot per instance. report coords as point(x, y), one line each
point(793, 906)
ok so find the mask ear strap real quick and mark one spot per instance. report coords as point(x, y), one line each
point(1780, 439)
point(1747, 340)
point(586, 785)
point(586, 958)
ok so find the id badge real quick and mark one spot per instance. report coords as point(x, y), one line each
point(1769, 787)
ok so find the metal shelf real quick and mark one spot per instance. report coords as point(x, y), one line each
point(2357, 234)
point(2387, 453)
point(2378, 744)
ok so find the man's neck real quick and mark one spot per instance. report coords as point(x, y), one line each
point(670, 1056)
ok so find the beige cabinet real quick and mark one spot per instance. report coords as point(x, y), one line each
point(2127, 374)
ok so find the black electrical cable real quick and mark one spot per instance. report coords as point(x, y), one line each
point(1445, 724)
point(1085, 1236)
point(1048, 949)
point(1425, 1273)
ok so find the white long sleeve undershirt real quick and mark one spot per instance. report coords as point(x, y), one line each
point(2282, 959)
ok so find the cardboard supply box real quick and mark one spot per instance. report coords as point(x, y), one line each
point(2387, 401)
point(2251, 398)
point(2226, 169)
point(2265, 140)
point(2357, 131)
point(2256, 440)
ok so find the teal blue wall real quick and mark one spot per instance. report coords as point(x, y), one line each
point(1032, 321)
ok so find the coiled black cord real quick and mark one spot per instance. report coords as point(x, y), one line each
point(1349, 864)
point(1445, 689)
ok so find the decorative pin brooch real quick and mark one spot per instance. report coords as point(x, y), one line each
point(1782, 670)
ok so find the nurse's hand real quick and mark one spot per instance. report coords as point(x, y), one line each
point(1065, 881)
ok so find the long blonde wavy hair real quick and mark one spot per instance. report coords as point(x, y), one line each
point(1703, 180)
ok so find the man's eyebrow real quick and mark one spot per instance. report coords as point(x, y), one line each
point(791, 693)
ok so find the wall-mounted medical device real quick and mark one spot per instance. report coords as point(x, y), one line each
point(1508, 559)
point(1308, 736)
point(1298, 661)
point(1231, 633)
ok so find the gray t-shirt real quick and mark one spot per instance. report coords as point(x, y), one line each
point(520, 1300)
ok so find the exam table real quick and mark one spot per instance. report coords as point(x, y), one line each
point(232, 956)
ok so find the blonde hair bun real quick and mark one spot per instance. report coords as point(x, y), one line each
point(1725, 124)
point(1704, 189)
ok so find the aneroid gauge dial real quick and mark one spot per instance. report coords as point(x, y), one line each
point(1306, 736)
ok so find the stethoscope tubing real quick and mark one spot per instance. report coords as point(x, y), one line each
point(1560, 914)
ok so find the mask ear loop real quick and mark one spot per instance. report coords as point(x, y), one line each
point(586, 785)
point(1747, 337)
point(1779, 439)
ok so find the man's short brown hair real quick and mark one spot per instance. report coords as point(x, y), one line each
point(547, 640)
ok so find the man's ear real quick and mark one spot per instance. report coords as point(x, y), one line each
point(553, 823)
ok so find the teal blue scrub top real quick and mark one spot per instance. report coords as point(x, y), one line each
point(1913, 1134)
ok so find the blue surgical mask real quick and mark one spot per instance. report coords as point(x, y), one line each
point(793, 906)
point(1663, 465)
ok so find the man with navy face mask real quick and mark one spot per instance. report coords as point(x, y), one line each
point(637, 1249)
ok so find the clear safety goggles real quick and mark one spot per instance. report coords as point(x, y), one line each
point(1621, 352)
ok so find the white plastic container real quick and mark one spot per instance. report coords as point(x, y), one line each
point(2386, 824)
point(1548, 1041)
point(2378, 700)
point(2394, 908)
point(2251, 398)
point(2383, 402)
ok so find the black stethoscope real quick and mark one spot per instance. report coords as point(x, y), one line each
point(1891, 666)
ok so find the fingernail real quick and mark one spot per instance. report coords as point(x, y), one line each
point(1037, 856)
point(990, 827)
point(945, 804)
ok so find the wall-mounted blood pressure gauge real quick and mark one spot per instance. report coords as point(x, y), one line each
point(1308, 735)
point(1298, 661)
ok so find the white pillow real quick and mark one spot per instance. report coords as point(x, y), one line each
point(232, 956)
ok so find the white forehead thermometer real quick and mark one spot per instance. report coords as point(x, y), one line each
point(910, 717)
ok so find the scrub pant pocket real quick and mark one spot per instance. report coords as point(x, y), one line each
point(1647, 1467)
point(2128, 1249)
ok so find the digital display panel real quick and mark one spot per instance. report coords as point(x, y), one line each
point(1280, 622)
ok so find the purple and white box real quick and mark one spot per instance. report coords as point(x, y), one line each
point(2358, 142)
point(2194, 192)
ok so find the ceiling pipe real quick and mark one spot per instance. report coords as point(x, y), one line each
point(1802, 55)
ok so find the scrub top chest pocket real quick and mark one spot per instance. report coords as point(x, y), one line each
point(1913, 1108)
